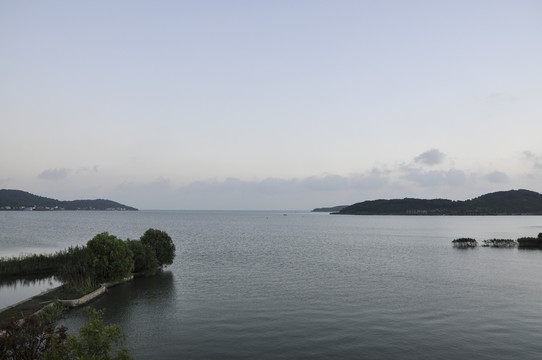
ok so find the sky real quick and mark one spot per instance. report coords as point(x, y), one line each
point(260, 105)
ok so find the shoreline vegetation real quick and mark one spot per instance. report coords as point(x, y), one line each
point(520, 243)
point(86, 273)
point(512, 202)
point(18, 200)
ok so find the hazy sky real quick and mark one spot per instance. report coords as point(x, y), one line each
point(269, 104)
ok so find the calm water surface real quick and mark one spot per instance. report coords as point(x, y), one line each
point(268, 286)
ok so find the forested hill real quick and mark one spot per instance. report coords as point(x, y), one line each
point(22, 200)
point(512, 202)
point(330, 209)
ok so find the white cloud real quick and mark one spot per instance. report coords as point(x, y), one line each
point(430, 157)
point(54, 174)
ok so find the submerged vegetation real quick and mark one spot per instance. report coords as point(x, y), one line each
point(105, 258)
point(464, 243)
point(522, 242)
point(499, 243)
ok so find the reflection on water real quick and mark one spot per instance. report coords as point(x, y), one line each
point(267, 286)
point(14, 290)
point(128, 304)
point(26, 281)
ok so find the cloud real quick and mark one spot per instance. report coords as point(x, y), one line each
point(268, 193)
point(535, 159)
point(83, 170)
point(430, 157)
point(310, 192)
point(452, 177)
point(54, 174)
point(497, 177)
point(326, 183)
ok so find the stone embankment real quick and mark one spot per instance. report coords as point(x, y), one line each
point(35, 304)
point(93, 295)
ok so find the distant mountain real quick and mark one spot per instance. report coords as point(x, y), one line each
point(512, 202)
point(22, 200)
point(330, 209)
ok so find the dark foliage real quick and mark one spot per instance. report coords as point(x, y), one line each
point(465, 243)
point(161, 244)
point(95, 341)
point(330, 209)
point(39, 264)
point(499, 243)
point(36, 339)
point(28, 341)
point(530, 242)
point(75, 270)
point(109, 258)
point(145, 261)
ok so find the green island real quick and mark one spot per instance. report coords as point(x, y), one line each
point(512, 202)
point(18, 200)
point(28, 330)
point(521, 243)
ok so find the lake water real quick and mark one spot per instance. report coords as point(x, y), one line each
point(274, 285)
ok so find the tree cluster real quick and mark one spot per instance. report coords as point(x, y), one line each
point(105, 258)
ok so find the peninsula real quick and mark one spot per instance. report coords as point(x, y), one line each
point(512, 202)
point(22, 200)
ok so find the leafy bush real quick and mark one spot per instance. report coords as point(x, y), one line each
point(145, 261)
point(161, 244)
point(95, 341)
point(109, 258)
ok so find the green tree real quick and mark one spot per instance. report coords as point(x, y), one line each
point(94, 342)
point(162, 245)
point(145, 261)
point(109, 257)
